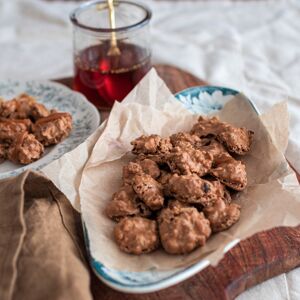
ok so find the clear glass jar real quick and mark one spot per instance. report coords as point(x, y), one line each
point(101, 76)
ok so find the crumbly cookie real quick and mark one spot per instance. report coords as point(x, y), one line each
point(7, 108)
point(236, 140)
point(189, 161)
point(152, 144)
point(125, 203)
point(185, 140)
point(136, 235)
point(221, 215)
point(214, 148)
point(207, 127)
point(230, 172)
point(149, 167)
point(182, 229)
point(129, 171)
point(23, 106)
point(193, 189)
point(10, 128)
point(148, 190)
point(53, 129)
point(25, 149)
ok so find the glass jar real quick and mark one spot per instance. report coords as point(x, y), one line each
point(101, 76)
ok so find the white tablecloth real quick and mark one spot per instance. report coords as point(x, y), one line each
point(251, 46)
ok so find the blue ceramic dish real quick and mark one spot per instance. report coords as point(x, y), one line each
point(203, 100)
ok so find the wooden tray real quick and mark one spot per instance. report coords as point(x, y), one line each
point(252, 261)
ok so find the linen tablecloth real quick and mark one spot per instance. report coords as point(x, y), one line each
point(252, 46)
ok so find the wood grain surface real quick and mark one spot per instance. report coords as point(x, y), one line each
point(252, 261)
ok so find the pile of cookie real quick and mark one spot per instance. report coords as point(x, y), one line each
point(26, 127)
point(178, 189)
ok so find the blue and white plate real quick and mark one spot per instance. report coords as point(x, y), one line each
point(53, 95)
point(202, 100)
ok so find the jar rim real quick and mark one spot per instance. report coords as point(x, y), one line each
point(80, 8)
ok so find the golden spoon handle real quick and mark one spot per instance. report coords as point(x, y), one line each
point(114, 50)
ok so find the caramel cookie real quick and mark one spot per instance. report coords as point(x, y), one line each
point(182, 229)
point(53, 129)
point(136, 235)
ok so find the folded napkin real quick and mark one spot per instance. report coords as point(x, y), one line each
point(40, 245)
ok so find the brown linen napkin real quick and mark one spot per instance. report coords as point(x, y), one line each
point(40, 256)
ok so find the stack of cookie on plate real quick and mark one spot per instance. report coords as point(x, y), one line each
point(27, 127)
point(178, 190)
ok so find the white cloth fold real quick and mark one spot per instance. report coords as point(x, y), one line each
point(252, 46)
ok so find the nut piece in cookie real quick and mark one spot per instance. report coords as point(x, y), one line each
point(189, 161)
point(152, 144)
point(38, 110)
point(125, 203)
point(10, 128)
point(136, 235)
point(25, 149)
point(23, 106)
point(182, 229)
point(214, 148)
point(129, 171)
point(193, 189)
point(140, 166)
point(230, 172)
point(221, 215)
point(148, 190)
point(185, 140)
point(53, 129)
point(7, 108)
point(149, 167)
point(236, 140)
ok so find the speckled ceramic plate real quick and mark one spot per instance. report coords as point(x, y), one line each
point(203, 100)
point(54, 95)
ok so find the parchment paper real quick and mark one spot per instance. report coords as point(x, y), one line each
point(66, 172)
point(271, 199)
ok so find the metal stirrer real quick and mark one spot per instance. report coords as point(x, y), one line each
point(113, 50)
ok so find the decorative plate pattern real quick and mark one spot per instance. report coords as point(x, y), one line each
point(201, 100)
point(205, 100)
point(53, 95)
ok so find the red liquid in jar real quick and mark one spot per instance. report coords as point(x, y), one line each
point(104, 79)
